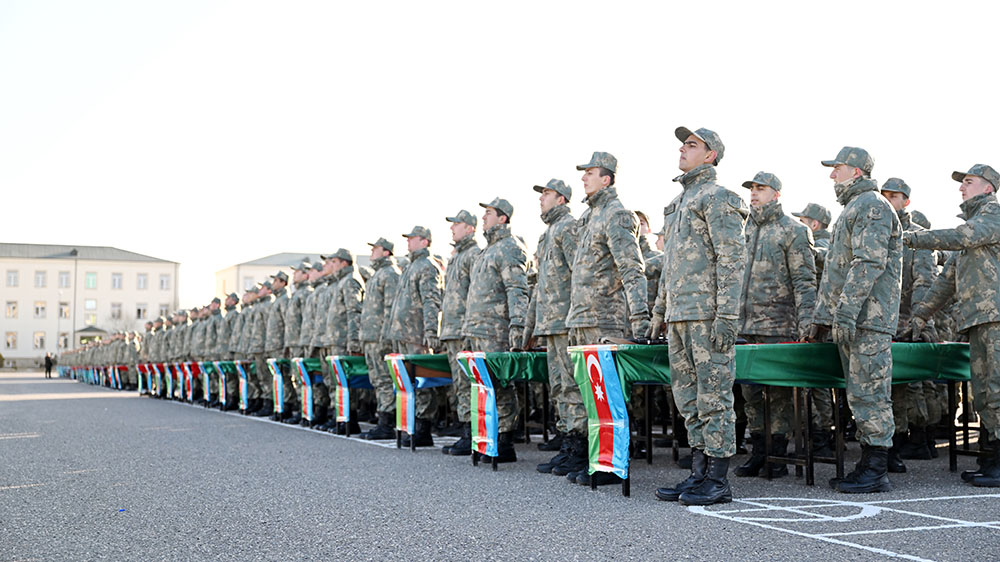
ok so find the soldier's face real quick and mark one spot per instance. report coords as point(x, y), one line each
point(414, 243)
point(490, 218)
point(339, 264)
point(694, 153)
point(843, 172)
point(460, 230)
point(761, 195)
point(593, 182)
point(214, 306)
point(813, 224)
point(548, 200)
point(974, 185)
point(643, 227)
point(896, 199)
point(328, 267)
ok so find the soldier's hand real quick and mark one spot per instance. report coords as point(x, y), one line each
point(908, 238)
point(844, 331)
point(431, 341)
point(515, 338)
point(640, 327)
point(655, 327)
point(723, 334)
point(354, 347)
point(930, 335)
point(917, 327)
point(816, 333)
point(527, 339)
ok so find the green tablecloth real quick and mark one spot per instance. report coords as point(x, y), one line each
point(510, 366)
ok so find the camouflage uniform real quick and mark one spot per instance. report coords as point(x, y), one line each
point(379, 292)
point(274, 345)
point(653, 259)
point(343, 317)
point(456, 290)
point(704, 246)
point(261, 383)
point(226, 347)
point(322, 298)
point(293, 334)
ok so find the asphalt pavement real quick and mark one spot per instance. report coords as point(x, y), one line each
point(88, 473)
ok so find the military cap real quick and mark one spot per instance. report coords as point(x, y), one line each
point(216, 300)
point(982, 171)
point(897, 185)
point(281, 275)
point(263, 285)
point(464, 217)
point(234, 296)
point(815, 212)
point(196, 310)
point(601, 160)
point(558, 186)
point(304, 265)
point(318, 266)
point(852, 156)
point(501, 205)
point(160, 319)
point(419, 231)
point(921, 219)
point(341, 253)
point(383, 243)
point(707, 136)
point(181, 312)
point(764, 178)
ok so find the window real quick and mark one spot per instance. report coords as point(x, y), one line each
point(11, 309)
point(164, 282)
point(116, 280)
point(164, 309)
point(12, 282)
point(64, 280)
point(140, 311)
point(38, 342)
point(141, 281)
point(248, 283)
point(90, 304)
point(39, 309)
point(64, 310)
point(90, 280)
point(116, 311)
point(90, 319)
point(10, 340)
point(40, 279)
point(63, 340)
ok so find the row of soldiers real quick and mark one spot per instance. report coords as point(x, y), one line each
point(725, 272)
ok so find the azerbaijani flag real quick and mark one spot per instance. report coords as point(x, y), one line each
point(343, 392)
point(608, 429)
point(277, 386)
point(404, 392)
point(307, 389)
point(222, 381)
point(484, 419)
point(244, 390)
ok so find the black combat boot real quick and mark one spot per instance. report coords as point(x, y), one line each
point(385, 428)
point(559, 458)
point(714, 488)
point(505, 447)
point(741, 437)
point(989, 472)
point(756, 461)
point(984, 446)
point(265, 410)
point(578, 459)
point(931, 443)
point(699, 467)
point(421, 434)
point(894, 463)
point(871, 474)
point(253, 405)
point(779, 448)
point(554, 444)
point(916, 445)
point(462, 447)
point(600, 478)
point(822, 443)
point(320, 415)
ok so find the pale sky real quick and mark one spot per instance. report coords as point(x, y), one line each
point(212, 133)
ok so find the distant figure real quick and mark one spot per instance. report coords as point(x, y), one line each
point(48, 365)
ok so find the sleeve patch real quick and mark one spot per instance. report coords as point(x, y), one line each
point(875, 213)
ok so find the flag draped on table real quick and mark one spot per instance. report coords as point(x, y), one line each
point(343, 399)
point(307, 389)
point(601, 387)
point(244, 388)
point(222, 381)
point(404, 392)
point(278, 386)
point(483, 402)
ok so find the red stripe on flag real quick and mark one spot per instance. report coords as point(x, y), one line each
point(480, 405)
point(606, 431)
point(402, 396)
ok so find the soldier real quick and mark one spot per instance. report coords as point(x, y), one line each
point(776, 305)
point(653, 259)
point(496, 305)
point(195, 344)
point(225, 348)
point(242, 339)
point(293, 336)
point(546, 318)
point(971, 276)
point(260, 384)
point(699, 298)
point(213, 321)
point(456, 290)
point(308, 331)
point(319, 311)
point(342, 321)
point(413, 322)
point(179, 347)
point(379, 292)
point(859, 299)
point(275, 345)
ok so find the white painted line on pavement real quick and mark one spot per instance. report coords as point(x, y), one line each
point(2, 488)
point(19, 435)
point(989, 524)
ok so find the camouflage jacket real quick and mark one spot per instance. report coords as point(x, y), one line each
point(416, 308)
point(308, 309)
point(258, 325)
point(238, 337)
point(214, 324)
point(179, 341)
point(919, 271)
point(379, 292)
point(224, 333)
point(704, 247)
point(293, 314)
point(608, 272)
point(456, 287)
point(274, 342)
point(320, 308)
point(821, 245)
point(654, 268)
point(863, 270)
point(779, 286)
point(971, 273)
point(498, 288)
point(197, 338)
point(549, 303)
point(144, 355)
point(344, 317)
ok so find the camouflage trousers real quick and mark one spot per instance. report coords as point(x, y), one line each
point(936, 398)
point(507, 403)
point(321, 394)
point(822, 414)
point(424, 399)
point(260, 382)
point(702, 381)
point(565, 393)
point(984, 361)
point(460, 385)
point(782, 408)
point(908, 406)
point(290, 379)
point(378, 375)
point(867, 363)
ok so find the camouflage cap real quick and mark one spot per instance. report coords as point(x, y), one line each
point(233, 296)
point(707, 136)
point(815, 212)
point(852, 156)
point(160, 319)
point(501, 205)
point(419, 231)
point(897, 185)
point(601, 160)
point(558, 186)
point(982, 171)
point(181, 312)
point(464, 216)
point(304, 266)
point(383, 243)
point(764, 178)
point(263, 285)
point(281, 275)
point(318, 266)
point(216, 300)
point(341, 253)
point(921, 219)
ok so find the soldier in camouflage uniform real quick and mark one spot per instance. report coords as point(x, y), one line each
point(453, 305)
point(546, 318)
point(496, 305)
point(319, 311)
point(607, 273)
point(859, 299)
point(414, 320)
point(293, 335)
point(196, 342)
point(380, 289)
point(342, 323)
point(179, 349)
point(699, 299)
point(275, 345)
point(971, 276)
point(653, 259)
point(225, 351)
point(308, 334)
point(260, 383)
point(776, 305)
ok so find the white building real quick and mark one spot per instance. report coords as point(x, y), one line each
point(52, 293)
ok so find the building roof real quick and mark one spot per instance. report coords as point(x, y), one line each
point(289, 259)
point(90, 330)
point(63, 252)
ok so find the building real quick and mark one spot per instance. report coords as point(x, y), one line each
point(57, 296)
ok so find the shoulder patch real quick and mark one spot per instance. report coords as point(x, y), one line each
point(875, 213)
point(736, 201)
point(669, 209)
point(627, 220)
